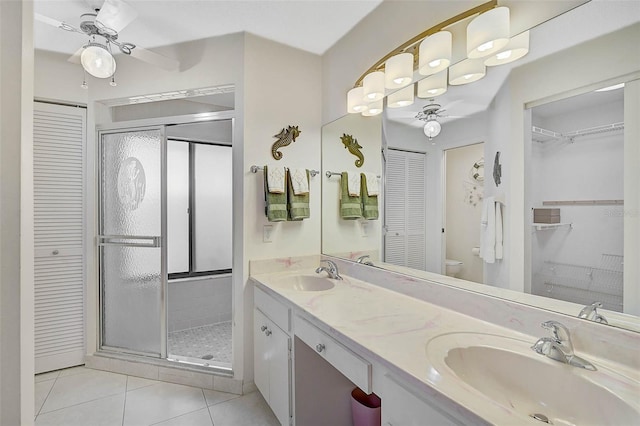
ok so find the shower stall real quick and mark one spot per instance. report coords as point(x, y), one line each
point(165, 242)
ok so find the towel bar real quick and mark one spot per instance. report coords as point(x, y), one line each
point(254, 169)
point(329, 174)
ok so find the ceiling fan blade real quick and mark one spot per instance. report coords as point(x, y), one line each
point(155, 59)
point(114, 15)
point(56, 23)
point(75, 58)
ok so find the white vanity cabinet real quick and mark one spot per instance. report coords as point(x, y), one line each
point(272, 354)
point(403, 407)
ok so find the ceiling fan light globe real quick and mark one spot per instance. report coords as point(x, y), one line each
point(97, 61)
point(432, 128)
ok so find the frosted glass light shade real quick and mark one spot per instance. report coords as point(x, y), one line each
point(398, 71)
point(401, 98)
point(97, 61)
point(373, 85)
point(517, 47)
point(355, 100)
point(488, 33)
point(375, 108)
point(466, 71)
point(434, 54)
point(432, 86)
point(432, 128)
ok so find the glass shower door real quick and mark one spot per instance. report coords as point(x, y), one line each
point(132, 250)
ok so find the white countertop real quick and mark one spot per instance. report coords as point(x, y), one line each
point(394, 329)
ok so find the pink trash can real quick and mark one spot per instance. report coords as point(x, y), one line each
point(365, 409)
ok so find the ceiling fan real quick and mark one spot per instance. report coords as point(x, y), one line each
point(430, 114)
point(103, 27)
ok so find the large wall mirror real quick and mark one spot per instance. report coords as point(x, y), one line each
point(560, 143)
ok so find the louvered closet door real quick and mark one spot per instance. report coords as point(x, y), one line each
point(405, 205)
point(59, 139)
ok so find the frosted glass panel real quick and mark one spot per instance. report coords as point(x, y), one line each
point(213, 208)
point(130, 183)
point(131, 296)
point(178, 206)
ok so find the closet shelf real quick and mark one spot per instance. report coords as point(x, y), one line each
point(547, 226)
point(544, 135)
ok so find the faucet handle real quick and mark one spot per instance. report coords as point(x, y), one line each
point(590, 312)
point(559, 332)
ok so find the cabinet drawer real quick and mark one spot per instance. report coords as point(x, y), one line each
point(275, 310)
point(347, 362)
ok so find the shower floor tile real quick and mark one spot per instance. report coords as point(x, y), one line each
point(209, 342)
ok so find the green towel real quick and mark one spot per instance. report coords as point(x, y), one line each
point(275, 205)
point(350, 207)
point(369, 203)
point(298, 204)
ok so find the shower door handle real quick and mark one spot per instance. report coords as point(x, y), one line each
point(129, 240)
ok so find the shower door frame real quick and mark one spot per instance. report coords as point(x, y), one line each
point(159, 123)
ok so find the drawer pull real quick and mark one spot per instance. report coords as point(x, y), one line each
point(55, 252)
point(263, 328)
point(268, 332)
point(319, 347)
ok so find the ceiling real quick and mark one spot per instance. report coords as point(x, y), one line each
point(310, 25)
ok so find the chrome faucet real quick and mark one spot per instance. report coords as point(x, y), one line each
point(559, 347)
point(590, 312)
point(364, 261)
point(331, 269)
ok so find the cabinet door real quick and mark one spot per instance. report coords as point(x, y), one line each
point(278, 343)
point(260, 354)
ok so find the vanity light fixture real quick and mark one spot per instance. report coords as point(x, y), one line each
point(488, 33)
point(435, 53)
point(432, 86)
point(97, 60)
point(398, 71)
point(517, 47)
point(401, 98)
point(375, 108)
point(355, 100)
point(466, 72)
point(373, 85)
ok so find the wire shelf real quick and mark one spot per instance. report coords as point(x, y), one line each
point(582, 284)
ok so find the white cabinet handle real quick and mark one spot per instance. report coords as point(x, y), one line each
point(268, 332)
point(319, 347)
point(263, 328)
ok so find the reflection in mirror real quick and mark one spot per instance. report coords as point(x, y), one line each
point(576, 190)
point(488, 116)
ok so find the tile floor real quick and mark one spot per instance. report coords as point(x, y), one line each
point(85, 397)
point(211, 342)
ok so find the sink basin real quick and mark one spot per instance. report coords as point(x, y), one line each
point(513, 376)
point(305, 283)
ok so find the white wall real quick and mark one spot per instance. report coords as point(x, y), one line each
point(199, 301)
point(16, 214)
point(352, 237)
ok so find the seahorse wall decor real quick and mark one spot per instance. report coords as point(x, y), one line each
point(285, 137)
point(354, 147)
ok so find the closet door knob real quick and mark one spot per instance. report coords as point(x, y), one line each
point(319, 347)
point(55, 252)
point(268, 332)
point(263, 328)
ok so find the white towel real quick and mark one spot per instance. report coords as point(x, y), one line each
point(372, 183)
point(499, 248)
point(275, 179)
point(353, 184)
point(299, 181)
point(488, 230)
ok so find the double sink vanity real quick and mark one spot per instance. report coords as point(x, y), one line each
point(434, 354)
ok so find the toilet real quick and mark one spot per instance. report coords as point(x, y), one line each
point(453, 267)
